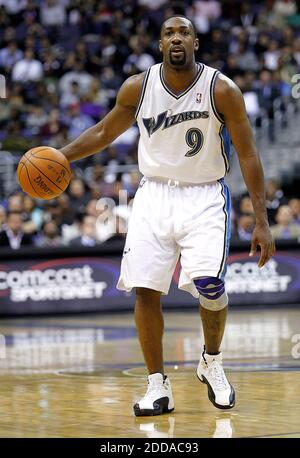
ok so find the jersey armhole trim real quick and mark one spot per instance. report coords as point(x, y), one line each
point(143, 90)
point(226, 163)
point(212, 97)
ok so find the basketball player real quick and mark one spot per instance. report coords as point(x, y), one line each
point(185, 112)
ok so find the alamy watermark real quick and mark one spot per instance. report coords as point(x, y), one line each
point(107, 210)
point(296, 86)
point(2, 87)
point(115, 216)
point(2, 347)
point(296, 348)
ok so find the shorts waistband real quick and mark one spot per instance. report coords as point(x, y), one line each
point(175, 183)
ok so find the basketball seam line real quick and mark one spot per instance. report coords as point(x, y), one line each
point(19, 172)
point(24, 163)
point(31, 183)
point(52, 160)
point(28, 157)
point(62, 190)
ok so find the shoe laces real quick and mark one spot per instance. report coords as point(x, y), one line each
point(218, 377)
point(155, 387)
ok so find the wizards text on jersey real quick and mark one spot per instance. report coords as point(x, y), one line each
point(165, 121)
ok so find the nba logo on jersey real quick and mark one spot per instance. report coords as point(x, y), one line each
point(199, 97)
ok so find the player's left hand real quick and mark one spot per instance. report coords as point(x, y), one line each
point(262, 236)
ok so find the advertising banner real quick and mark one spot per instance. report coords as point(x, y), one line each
point(88, 283)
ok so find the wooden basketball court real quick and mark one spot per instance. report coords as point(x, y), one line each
point(79, 376)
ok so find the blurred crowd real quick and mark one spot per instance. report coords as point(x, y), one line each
point(81, 217)
point(64, 61)
point(283, 215)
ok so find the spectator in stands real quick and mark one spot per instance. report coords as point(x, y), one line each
point(71, 96)
point(50, 235)
point(246, 59)
point(68, 212)
point(27, 69)
point(268, 92)
point(14, 8)
point(138, 60)
point(54, 131)
point(2, 217)
point(78, 195)
point(9, 56)
point(88, 235)
point(296, 51)
point(282, 9)
point(13, 235)
point(271, 56)
point(78, 74)
point(15, 140)
point(32, 216)
point(231, 68)
point(294, 205)
point(53, 12)
point(247, 17)
point(262, 44)
point(53, 212)
point(97, 94)
point(51, 66)
point(250, 96)
point(245, 206)
point(245, 226)
point(71, 231)
point(110, 80)
point(97, 176)
point(285, 228)
point(274, 198)
point(35, 119)
point(205, 13)
point(78, 122)
point(16, 203)
point(16, 96)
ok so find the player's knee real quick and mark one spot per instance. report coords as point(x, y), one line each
point(212, 293)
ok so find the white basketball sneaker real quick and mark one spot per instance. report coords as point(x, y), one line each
point(211, 372)
point(158, 398)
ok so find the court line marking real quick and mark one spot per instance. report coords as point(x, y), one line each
point(192, 364)
point(272, 435)
point(83, 326)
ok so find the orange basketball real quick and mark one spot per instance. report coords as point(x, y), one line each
point(44, 172)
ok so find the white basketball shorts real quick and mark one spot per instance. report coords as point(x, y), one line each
point(169, 221)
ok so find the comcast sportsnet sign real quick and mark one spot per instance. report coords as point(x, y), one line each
point(277, 282)
point(88, 283)
point(57, 282)
point(51, 284)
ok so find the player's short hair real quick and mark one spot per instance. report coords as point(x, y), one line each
point(184, 17)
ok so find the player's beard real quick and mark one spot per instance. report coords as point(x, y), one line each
point(178, 61)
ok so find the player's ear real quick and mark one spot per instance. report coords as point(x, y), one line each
point(160, 45)
point(196, 44)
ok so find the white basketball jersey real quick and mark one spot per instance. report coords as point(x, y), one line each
point(182, 137)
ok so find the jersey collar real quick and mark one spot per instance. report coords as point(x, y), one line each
point(185, 91)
